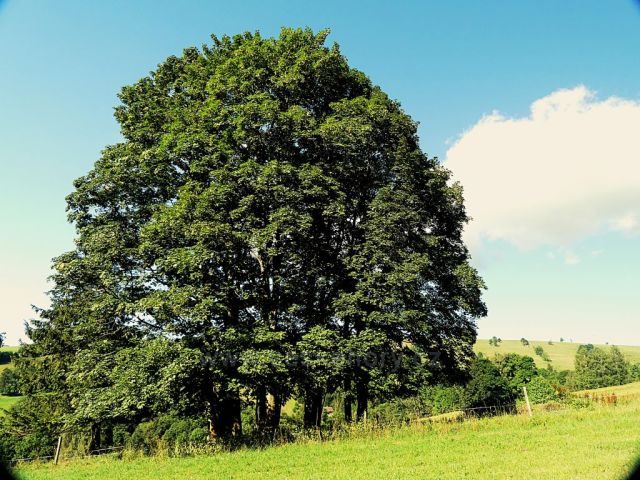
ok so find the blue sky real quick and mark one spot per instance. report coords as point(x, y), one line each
point(450, 64)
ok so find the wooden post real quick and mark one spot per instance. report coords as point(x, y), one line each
point(55, 460)
point(526, 398)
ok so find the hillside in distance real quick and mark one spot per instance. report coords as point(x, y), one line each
point(562, 354)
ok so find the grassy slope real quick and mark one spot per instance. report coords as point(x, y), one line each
point(7, 349)
point(561, 354)
point(599, 442)
point(7, 402)
point(628, 389)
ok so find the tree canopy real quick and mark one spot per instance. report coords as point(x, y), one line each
point(268, 227)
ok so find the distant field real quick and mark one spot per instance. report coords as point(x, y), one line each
point(7, 349)
point(7, 402)
point(628, 389)
point(596, 442)
point(561, 353)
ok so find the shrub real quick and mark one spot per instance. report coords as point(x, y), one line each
point(170, 432)
point(487, 387)
point(9, 382)
point(442, 399)
point(518, 370)
point(540, 390)
point(398, 411)
point(634, 372)
point(556, 378)
point(539, 350)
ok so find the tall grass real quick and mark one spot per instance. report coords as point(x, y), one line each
point(591, 442)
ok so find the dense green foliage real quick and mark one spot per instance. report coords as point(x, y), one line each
point(9, 382)
point(540, 390)
point(518, 370)
point(595, 367)
point(487, 387)
point(268, 228)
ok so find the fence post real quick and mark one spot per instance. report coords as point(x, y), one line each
point(526, 398)
point(55, 460)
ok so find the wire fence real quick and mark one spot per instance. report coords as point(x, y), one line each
point(603, 398)
point(99, 451)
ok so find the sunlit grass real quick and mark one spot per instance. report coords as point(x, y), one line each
point(595, 442)
point(7, 402)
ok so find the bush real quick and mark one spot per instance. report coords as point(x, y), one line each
point(6, 357)
point(556, 378)
point(518, 370)
point(540, 390)
point(9, 382)
point(167, 432)
point(442, 399)
point(487, 387)
point(185, 432)
point(634, 372)
point(398, 411)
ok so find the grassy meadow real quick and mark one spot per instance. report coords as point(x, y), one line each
point(7, 349)
point(622, 390)
point(561, 354)
point(7, 402)
point(595, 442)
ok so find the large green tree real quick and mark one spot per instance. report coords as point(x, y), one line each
point(267, 202)
point(596, 367)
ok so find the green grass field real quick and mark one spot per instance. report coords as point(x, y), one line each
point(628, 389)
point(7, 349)
point(561, 353)
point(597, 442)
point(7, 402)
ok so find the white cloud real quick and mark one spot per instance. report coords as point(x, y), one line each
point(569, 169)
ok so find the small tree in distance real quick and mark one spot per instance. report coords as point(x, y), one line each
point(524, 342)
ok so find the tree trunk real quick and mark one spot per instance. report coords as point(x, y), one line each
point(225, 416)
point(362, 392)
point(348, 414)
point(231, 421)
point(94, 441)
point(274, 408)
point(261, 408)
point(313, 410)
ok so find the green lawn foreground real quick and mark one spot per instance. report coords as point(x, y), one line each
point(562, 354)
point(597, 442)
